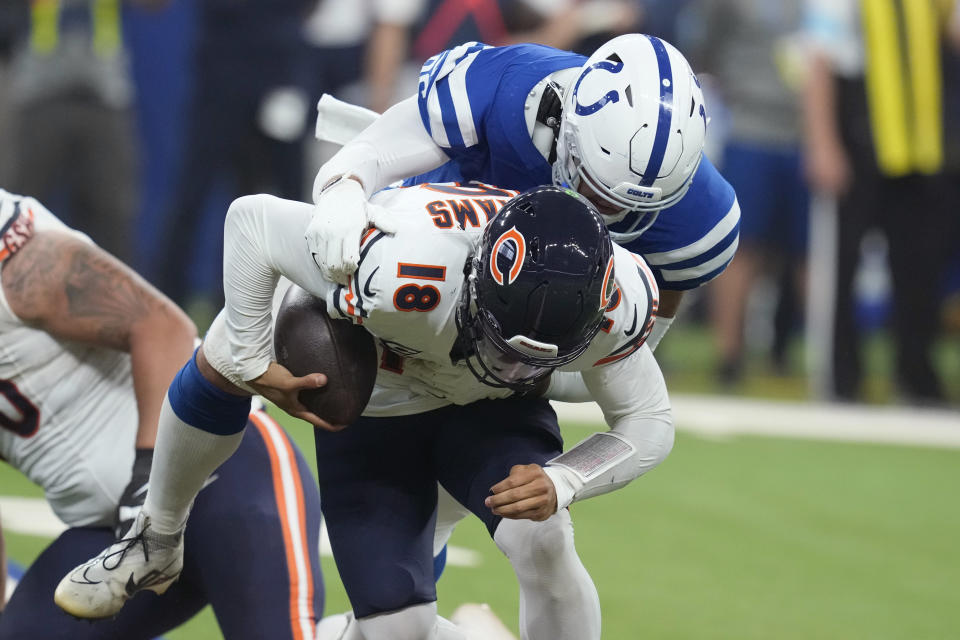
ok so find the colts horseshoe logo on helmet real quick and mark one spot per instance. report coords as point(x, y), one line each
point(509, 250)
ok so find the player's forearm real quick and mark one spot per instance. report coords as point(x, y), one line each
point(70, 288)
point(394, 147)
point(263, 239)
point(633, 447)
point(633, 397)
point(159, 346)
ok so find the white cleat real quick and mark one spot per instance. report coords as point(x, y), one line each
point(479, 622)
point(142, 560)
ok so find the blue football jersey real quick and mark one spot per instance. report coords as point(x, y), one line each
point(472, 102)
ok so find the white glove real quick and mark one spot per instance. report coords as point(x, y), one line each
point(341, 217)
point(455, 383)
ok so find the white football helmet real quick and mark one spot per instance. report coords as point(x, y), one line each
point(633, 129)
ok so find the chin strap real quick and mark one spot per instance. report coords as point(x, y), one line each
point(550, 112)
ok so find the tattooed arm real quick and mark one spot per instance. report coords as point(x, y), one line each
point(75, 291)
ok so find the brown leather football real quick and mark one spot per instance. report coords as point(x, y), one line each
point(306, 340)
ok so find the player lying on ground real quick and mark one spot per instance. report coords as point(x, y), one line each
point(495, 309)
point(89, 350)
point(625, 127)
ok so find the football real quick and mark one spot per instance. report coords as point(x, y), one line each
point(306, 340)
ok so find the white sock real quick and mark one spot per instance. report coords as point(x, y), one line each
point(183, 459)
point(558, 600)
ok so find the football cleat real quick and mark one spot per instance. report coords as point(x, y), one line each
point(142, 560)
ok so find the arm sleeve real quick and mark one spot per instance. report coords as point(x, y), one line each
point(263, 239)
point(567, 386)
point(633, 397)
point(394, 147)
point(660, 327)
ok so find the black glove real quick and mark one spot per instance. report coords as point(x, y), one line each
point(133, 496)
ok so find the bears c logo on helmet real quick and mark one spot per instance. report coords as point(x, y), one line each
point(509, 250)
point(609, 285)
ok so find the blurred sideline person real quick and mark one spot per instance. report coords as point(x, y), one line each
point(11, 15)
point(563, 24)
point(72, 134)
point(246, 115)
point(359, 53)
point(361, 39)
point(456, 401)
point(761, 156)
point(625, 127)
point(875, 142)
point(89, 349)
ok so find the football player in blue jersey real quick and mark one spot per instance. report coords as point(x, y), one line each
point(625, 127)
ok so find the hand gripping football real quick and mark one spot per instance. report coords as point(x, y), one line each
point(306, 340)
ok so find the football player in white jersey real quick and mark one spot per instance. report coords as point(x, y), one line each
point(87, 351)
point(491, 308)
point(626, 127)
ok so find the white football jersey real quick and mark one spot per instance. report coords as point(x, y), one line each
point(68, 414)
point(408, 285)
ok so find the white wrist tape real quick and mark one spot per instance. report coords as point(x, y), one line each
point(565, 483)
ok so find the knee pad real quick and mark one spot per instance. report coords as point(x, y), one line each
point(536, 543)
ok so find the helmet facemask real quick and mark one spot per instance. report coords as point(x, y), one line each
point(491, 360)
point(536, 289)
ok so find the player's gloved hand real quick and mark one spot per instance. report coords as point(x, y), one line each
point(341, 217)
point(133, 496)
point(456, 384)
point(527, 493)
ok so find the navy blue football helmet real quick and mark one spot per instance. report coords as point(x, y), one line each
point(536, 288)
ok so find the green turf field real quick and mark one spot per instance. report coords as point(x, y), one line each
point(744, 538)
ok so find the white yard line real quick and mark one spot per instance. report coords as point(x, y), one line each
point(29, 516)
point(724, 416)
point(34, 517)
point(710, 416)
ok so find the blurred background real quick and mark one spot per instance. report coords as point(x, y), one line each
point(836, 121)
point(138, 121)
